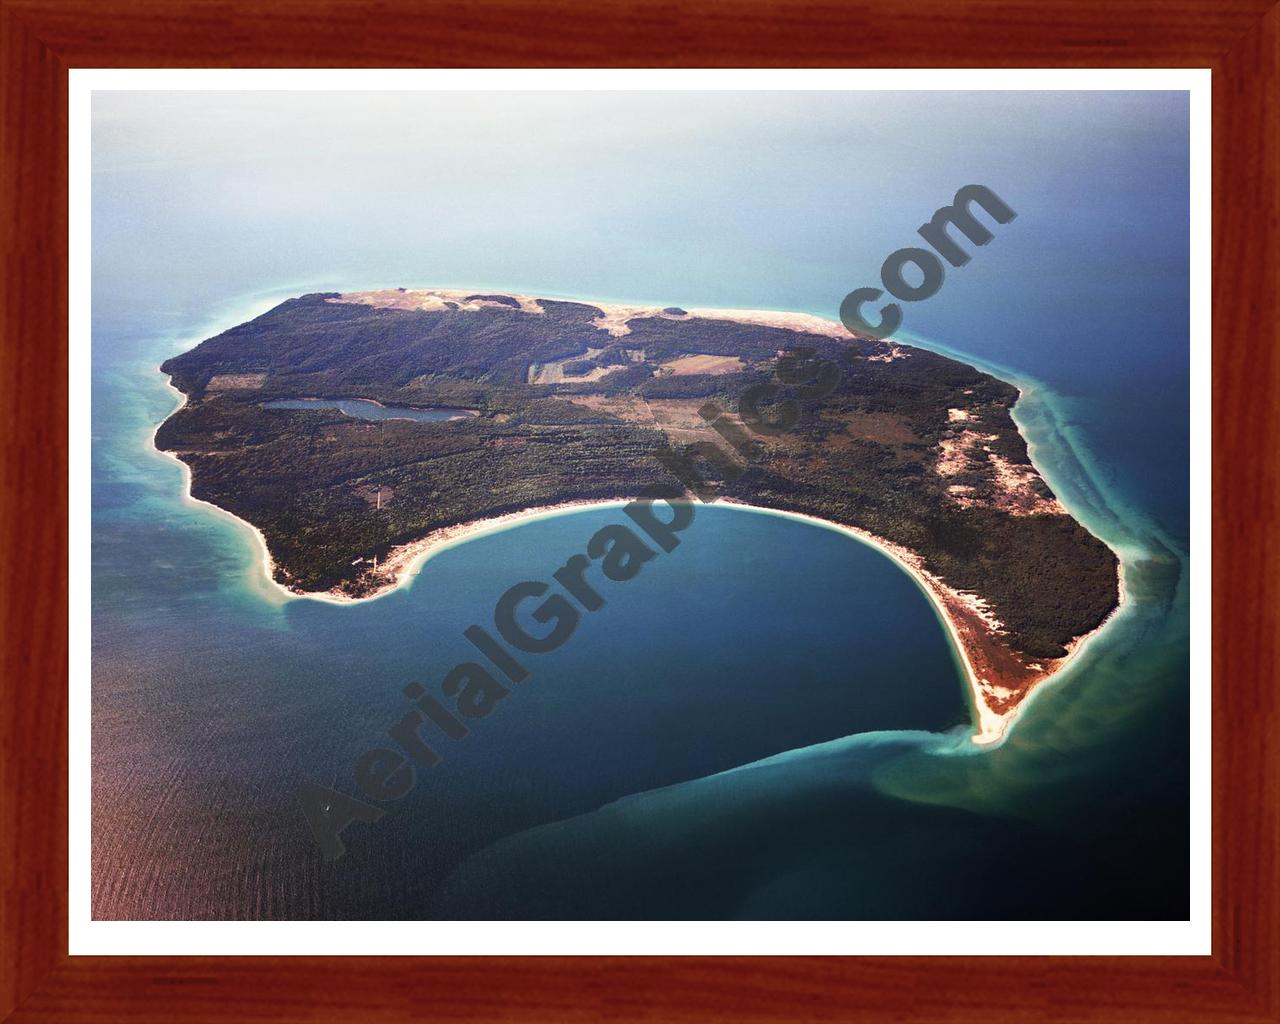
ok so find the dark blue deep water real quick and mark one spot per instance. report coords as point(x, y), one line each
point(768, 721)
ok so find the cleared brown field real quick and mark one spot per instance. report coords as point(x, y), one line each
point(687, 366)
point(236, 381)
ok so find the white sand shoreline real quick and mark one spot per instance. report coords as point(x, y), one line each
point(404, 561)
point(268, 564)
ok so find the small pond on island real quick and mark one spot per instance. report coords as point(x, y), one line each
point(364, 409)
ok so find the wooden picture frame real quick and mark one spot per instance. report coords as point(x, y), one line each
point(42, 39)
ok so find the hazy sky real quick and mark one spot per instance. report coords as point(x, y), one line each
point(699, 197)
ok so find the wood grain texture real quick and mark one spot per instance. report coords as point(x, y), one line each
point(40, 40)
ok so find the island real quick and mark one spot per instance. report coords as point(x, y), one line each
point(356, 432)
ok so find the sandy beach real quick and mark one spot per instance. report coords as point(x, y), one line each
point(404, 562)
point(615, 314)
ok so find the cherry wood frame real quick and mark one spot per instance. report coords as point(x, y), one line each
point(41, 39)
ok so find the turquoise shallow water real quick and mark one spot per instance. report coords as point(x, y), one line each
point(768, 722)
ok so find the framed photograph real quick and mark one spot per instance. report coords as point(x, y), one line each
point(701, 531)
